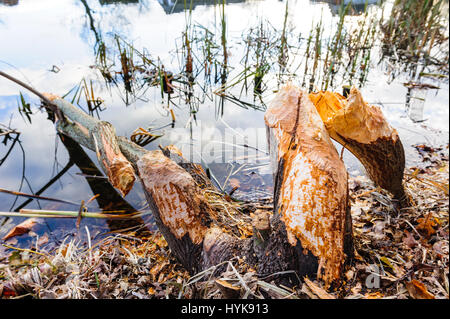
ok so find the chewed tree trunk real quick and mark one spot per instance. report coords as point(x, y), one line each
point(107, 196)
point(311, 193)
point(364, 131)
point(309, 232)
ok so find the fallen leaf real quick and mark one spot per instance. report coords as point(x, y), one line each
point(123, 285)
point(320, 292)
point(7, 292)
point(349, 274)
point(441, 248)
point(64, 250)
point(22, 228)
point(308, 292)
point(157, 269)
point(356, 289)
point(426, 225)
point(379, 231)
point(409, 240)
point(417, 290)
point(228, 290)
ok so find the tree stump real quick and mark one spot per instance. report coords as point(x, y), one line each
point(311, 191)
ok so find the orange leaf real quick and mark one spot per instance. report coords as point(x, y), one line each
point(22, 228)
point(374, 295)
point(417, 290)
point(157, 269)
point(426, 225)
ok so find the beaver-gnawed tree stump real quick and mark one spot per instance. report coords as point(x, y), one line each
point(365, 132)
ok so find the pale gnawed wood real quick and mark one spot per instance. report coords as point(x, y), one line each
point(196, 170)
point(118, 169)
point(311, 193)
point(179, 208)
point(365, 132)
point(175, 193)
point(99, 136)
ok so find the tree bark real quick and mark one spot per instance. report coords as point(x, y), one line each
point(311, 192)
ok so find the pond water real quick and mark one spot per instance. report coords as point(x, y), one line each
point(216, 113)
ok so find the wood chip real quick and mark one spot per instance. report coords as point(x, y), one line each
point(320, 292)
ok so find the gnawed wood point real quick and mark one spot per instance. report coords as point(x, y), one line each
point(364, 131)
point(102, 137)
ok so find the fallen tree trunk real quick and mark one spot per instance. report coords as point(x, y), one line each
point(107, 197)
point(100, 137)
point(178, 203)
point(364, 131)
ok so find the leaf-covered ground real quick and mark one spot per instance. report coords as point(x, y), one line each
point(399, 254)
